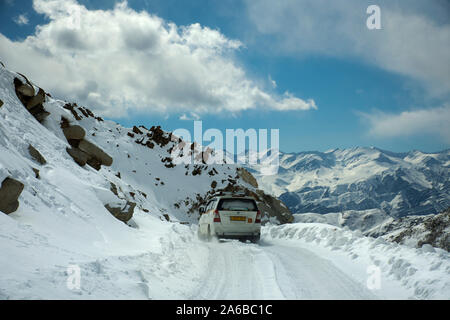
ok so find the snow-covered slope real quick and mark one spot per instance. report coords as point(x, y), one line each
point(141, 171)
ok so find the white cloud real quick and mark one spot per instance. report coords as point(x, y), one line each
point(120, 60)
point(273, 83)
point(189, 117)
point(21, 19)
point(433, 121)
point(414, 39)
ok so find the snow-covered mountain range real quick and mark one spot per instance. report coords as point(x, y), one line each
point(366, 189)
point(399, 184)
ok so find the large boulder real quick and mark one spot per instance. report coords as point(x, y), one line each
point(9, 195)
point(36, 100)
point(24, 89)
point(78, 156)
point(74, 132)
point(247, 177)
point(36, 155)
point(34, 104)
point(121, 212)
point(95, 152)
point(1, 103)
point(273, 207)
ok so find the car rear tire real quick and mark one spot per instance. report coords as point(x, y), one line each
point(255, 239)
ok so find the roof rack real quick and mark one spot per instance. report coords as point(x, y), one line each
point(230, 194)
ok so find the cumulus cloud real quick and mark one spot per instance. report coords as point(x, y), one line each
point(21, 19)
point(119, 60)
point(414, 40)
point(433, 121)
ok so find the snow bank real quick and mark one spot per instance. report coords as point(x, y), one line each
point(406, 272)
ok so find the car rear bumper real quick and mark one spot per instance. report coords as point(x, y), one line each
point(236, 231)
point(238, 236)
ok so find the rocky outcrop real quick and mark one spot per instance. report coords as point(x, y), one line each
point(82, 151)
point(136, 130)
point(74, 132)
point(247, 177)
point(122, 213)
point(9, 195)
point(36, 155)
point(36, 100)
point(95, 152)
point(273, 207)
point(433, 229)
point(78, 156)
point(33, 103)
point(24, 91)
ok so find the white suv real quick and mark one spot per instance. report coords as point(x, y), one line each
point(230, 216)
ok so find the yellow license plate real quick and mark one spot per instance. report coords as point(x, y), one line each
point(237, 218)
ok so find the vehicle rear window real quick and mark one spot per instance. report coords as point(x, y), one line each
point(237, 205)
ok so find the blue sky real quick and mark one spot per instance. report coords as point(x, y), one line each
point(387, 88)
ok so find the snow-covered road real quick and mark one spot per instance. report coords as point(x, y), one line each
point(167, 261)
point(273, 271)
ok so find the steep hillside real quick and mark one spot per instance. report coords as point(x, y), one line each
point(69, 160)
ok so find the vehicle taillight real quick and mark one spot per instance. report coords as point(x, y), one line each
point(216, 216)
point(258, 217)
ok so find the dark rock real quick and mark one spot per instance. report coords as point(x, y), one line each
point(36, 173)
point(41, 116)
point(1, 103)
point(74, 132)
point(136, 130)
point(9, 195)
point(95, 163)
point(23, 89)
point(71, 108)
point(95, 152)
point(36, 100)
point(123, 214)
point(74, 143)
point(25, 93)
point(273, 207)
point(113, 189)
point(64, 123)
point(36, 155)
point(86, 112)
point(159, 136)
point(247, 177)
point(78, 156)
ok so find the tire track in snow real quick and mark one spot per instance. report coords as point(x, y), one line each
point(273, 271)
